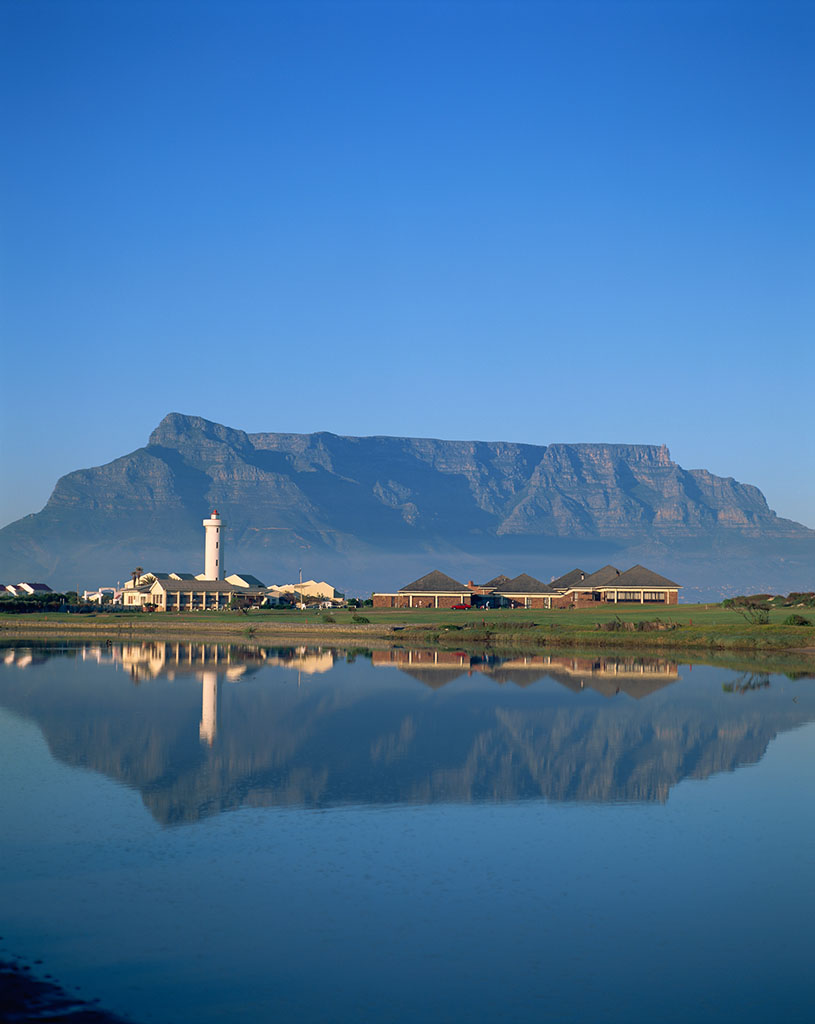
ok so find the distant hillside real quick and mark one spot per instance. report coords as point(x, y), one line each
point(368, 511)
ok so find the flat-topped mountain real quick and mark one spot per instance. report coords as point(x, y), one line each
point(375, 509)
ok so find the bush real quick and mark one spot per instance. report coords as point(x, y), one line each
point(755, 612)
point(796, 620)
point(360, 618)
point(329, 618)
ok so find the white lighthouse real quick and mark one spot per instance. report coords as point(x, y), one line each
point(213, 548)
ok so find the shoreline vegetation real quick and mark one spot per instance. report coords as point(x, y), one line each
point(680, 628)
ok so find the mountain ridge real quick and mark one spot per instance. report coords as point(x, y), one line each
point(356, 504)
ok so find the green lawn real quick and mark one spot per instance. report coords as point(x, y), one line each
point(694, 627)
point(502, 618)
point(582, 618)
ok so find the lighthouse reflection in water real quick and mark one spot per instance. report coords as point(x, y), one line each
point(212, 832)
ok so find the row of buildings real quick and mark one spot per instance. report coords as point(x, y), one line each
point(23, 589)
point(183, 591)
point(575, 589)
point(211, 590)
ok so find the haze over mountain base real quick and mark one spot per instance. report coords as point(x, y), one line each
point(374, 512)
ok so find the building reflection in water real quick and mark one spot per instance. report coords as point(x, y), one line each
point(209, 706)
point(214, 662)
point(210, 662)
point(151, 659)
point(602, 729)
point(634, 676)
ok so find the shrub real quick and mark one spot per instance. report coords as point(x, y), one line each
point(754, 612)
point(329, 618)
point(360, 619)
point(796, 620)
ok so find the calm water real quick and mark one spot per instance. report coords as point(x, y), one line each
point(214, 833)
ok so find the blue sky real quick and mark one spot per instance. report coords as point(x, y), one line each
point(532, 221)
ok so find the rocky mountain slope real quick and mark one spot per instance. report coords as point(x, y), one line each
point(371, 509)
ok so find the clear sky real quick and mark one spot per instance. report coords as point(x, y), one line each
point(533, 221)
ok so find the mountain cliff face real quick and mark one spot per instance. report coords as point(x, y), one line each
point(350, 504)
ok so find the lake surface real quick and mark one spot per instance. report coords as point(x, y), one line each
point(240, 833)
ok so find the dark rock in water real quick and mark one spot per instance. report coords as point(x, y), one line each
point(373, 512)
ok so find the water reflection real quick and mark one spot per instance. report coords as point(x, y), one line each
point(636, 676)
point(200, 728)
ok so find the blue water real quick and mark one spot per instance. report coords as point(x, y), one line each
point(245, 876)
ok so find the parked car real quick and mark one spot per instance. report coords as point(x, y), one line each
point(461, 607)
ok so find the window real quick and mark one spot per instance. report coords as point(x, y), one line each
point(627, 595)
point(654, 595)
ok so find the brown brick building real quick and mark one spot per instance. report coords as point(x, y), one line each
point(435, 590)
point(575, 589)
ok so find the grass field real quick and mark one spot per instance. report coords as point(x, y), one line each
point(689, 627)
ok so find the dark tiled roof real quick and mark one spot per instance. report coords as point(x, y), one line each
point(639, 576)
point(569, 579)
point(498, 581)
point(434, 582)
point(525, 584)
point(608, 574)
point(211, 586)
point(183, 575)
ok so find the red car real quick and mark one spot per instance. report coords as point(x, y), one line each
point(461, 607)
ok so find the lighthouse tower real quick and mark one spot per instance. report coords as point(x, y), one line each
point(213, 548)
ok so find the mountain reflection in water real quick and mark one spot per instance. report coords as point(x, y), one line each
point(201, 728)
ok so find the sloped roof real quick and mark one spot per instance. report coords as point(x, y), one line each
point(639, 576)
point(569, 579)
point(182, 575)
point(497, 581)
point(608, 574)
point(211, 586)
point(248, 578)
point(525, 584)
point(434, 582)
